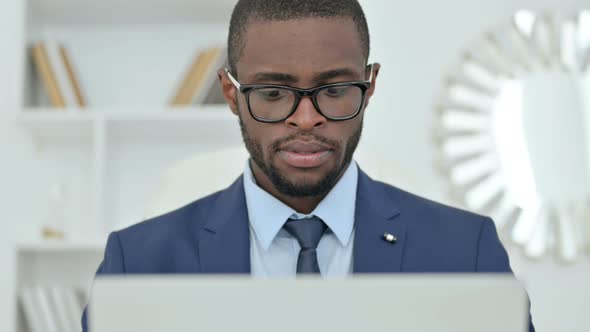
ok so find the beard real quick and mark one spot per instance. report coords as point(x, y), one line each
point(281, 181)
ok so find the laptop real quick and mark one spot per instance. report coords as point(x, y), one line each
point(404, 302)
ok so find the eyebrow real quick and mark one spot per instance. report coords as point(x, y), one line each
point(331, 74)
point(275, 77)
point(291, 79)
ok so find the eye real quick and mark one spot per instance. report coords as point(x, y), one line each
point(271, 94)
point(335, 91)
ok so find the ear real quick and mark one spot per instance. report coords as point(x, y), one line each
point(376, 68)
point(228, 90)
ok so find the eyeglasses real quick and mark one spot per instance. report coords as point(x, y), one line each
point(272, 103)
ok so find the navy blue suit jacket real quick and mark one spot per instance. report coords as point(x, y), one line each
point(211, 235)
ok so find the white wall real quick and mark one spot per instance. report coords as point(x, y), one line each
point(416, 42)
point(16, 159)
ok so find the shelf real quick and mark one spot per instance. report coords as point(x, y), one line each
point(58, 263)
point(41, 246)
point(126, 113)
point(170, 122)
point(57, 123)
point(186, 124)
point(170, 114)
point(129, 11)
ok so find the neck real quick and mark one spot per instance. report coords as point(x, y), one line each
point(304, 205)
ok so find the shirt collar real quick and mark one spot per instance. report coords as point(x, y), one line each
point(267, 214)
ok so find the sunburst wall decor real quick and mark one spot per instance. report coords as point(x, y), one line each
point(513, 129)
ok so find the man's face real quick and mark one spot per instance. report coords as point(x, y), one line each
point(305, 154)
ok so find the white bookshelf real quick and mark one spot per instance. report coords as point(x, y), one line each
point(129, 56)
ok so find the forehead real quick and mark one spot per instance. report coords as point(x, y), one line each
point(300, 46)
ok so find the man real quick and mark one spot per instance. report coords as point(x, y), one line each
point(299, 83)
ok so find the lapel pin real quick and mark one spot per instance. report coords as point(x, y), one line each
point(389, 238)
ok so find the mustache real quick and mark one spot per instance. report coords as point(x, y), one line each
point(276, 145)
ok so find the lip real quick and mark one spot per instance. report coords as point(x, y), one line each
point(304, 154)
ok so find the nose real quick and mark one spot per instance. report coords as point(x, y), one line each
point(306, 117)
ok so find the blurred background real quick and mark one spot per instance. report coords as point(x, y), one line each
point(108, 115)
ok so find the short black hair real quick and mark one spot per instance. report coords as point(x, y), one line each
point(246, 11)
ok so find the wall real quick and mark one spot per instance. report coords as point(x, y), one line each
point(416, 42)
point(16, 158)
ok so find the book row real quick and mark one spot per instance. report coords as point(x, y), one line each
point(52, 308)
point(60, 80)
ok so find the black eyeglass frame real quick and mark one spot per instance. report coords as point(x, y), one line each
point(246, 89)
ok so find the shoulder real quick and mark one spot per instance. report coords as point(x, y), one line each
point(178, 221)
point(172, 231)
point(445, 238)
point(432, 224)
point(167, 243)
point(426, 210)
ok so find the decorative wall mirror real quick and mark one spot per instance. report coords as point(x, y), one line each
point(514, 131)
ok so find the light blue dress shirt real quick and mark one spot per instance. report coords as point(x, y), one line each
point(274, 252)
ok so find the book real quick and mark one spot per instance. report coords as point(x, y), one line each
point(73, 77)
point(201, 76)
point(57, 73)
point(61, 76)
point(47, 75)
point(67, 308)
point(182, 95)
point(210, 82)
point(46, 310)
point(31, 310)
point(59, 307)
point(74, 307)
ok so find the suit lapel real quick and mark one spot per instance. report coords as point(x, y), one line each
point(224, 238)
point(376, 215)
